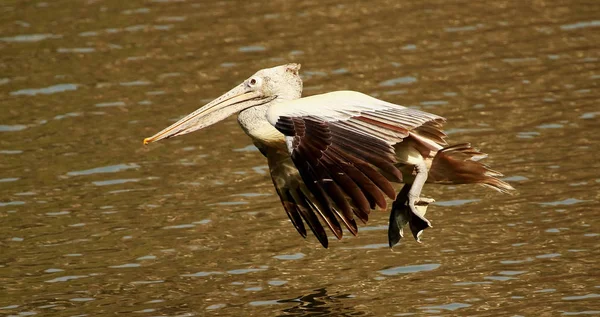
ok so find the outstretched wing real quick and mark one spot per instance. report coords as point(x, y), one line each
point(299, 202)
point(342, 146)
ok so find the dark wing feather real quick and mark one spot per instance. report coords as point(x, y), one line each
point(338, 165)
point(297, 205)
point(347, 165)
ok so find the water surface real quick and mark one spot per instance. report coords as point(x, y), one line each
point(94, 223)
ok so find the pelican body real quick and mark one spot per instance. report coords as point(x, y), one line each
point(334, 156)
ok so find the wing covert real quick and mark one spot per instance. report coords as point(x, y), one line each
point(344, 152)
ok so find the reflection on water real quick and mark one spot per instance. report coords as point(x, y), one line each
point(94, 223)
point(320, 303)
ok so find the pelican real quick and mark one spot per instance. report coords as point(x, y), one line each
point(335, 156)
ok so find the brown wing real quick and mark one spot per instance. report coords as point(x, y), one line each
point(348, 165)
point(298, 201)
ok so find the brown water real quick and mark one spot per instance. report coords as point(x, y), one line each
point(94, 223)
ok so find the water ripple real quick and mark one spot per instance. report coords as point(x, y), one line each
point(79, 50)
point(58, 213)
point(590, 115)
point(146, 257)
point(458, 202)
point(45, 91)
point(498, 278)
point(136, 83)
point(110, 104)
point(580, 25)
point(66, 278)
point(10, 152)
point(30, 37)
point(294, 256)
point(147, 282)
point(568, 201)
point(585, 312)
point(116, 181)
point(215, 306)
point(276, 282)
point(548, 256)
point(246, 271)
point(451, 306)
point(11, 203)
point(68, 115)
point(126, 265)
point(252, 48)
point(463, 28)
point(410, 269)
point(105, 169)
point(511, 273)
point(135, 11)
point(171, 19)
point(527, 135)
point(249, 148)
point(581, 297)
point(81, 299)
point(12, 128)
point(182, 226)
point(264, 303)
point(396, 81)
point(202, 274)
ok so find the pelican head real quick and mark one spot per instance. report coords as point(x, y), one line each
point(280, 82)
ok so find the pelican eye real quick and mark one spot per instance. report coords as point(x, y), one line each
point(253, 82)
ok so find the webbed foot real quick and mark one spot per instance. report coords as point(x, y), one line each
point(408, 211)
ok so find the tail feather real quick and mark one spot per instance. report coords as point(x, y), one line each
point(459, 164)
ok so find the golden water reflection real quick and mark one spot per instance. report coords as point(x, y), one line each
point(92, 222)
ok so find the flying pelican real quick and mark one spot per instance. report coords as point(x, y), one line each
point(334, 156)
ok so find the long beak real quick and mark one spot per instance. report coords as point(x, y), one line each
point(235, 100)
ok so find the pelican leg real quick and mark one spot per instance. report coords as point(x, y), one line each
point(414, 194)
point(401, 215)
point(418, 222)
